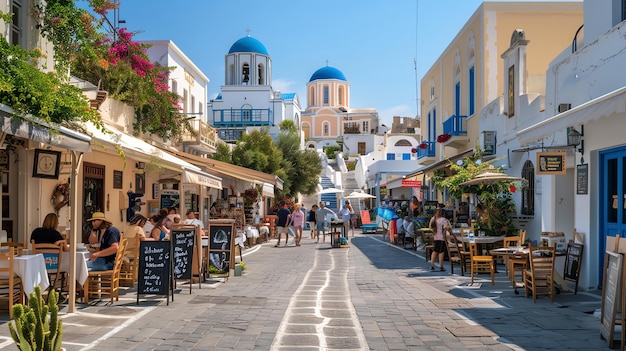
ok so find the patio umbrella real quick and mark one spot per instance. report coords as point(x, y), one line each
point(359, 195)
point(488, 178)
point(330, 191)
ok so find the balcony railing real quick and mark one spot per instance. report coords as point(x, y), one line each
point(455, 125)
point(429, 151)
point(243, 117)
point(205, 134)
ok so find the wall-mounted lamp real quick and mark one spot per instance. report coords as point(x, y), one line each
point(575, 139)
point(140, 165)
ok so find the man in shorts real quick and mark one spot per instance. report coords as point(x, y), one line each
point(282, 224)
point(320, 218)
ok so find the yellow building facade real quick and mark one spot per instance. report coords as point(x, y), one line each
point(469, 73)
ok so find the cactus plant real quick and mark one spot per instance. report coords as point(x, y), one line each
point(32, 329)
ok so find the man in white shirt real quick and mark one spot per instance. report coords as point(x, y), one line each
point(191, 219)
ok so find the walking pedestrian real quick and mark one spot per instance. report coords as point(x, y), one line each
point(297, 221)
point(439, 224)
point(281, 223)
point(320, 218)
point(312, 222)
point(346, 213)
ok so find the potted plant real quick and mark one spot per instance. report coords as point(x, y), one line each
point(37, 326)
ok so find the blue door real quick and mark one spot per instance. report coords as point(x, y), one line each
point(612, 197)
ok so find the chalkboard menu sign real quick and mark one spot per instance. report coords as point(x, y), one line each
point(611, 295)
point(183, 239)
point(154, 268)
point(221, 246)
point(573, 261)
point(170, 198)
point(582, 179)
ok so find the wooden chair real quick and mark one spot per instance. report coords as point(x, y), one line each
point(106, 282)
point(130, 263)
point(17, 246)
point(11, 289)
point(427, 241)
point(454, 253)
point(522, 236)
point(480, 263)
point(52, 254)
point(539, 279)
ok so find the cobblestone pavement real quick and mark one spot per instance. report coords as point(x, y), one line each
point(370, 296)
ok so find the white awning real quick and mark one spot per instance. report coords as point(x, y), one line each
point(38, 131)
point(139, 149)
point(202, 178)
point(268, 189)
point(602, 106)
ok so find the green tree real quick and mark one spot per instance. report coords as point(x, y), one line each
point(47, 96)
point(256, 150)
point(222, 153)
point(495, 197)
point(302, 167)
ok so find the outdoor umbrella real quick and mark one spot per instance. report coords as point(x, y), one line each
point(488, 178)
point(330, 191)
point(359, 195)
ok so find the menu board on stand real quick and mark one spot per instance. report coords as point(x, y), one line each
point(154, 276)
point(221, 247)
point(183, 244)
point(613, 307)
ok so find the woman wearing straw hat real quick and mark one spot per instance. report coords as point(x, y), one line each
point(108, 238)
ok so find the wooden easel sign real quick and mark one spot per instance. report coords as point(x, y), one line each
point(154, 276)
point(612, 296)
point(184, 242)
point(221, 248)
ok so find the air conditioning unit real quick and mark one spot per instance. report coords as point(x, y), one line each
point(564, 107)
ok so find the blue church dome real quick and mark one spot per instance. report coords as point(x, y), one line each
point(327, 73)
point(248, 44)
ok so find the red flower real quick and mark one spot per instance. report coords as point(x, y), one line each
point(512, 188)
point(443, 138)
point(413, 150)
point(423, 146)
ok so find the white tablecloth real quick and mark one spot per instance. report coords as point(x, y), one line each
point(81, 265)
point(32, 270)
point(484, 239)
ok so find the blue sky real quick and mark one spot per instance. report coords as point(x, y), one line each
point(374, 43)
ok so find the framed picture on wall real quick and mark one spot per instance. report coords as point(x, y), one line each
point(140, 183)
point(47, 164)
point(117, 179)
point(155, 190)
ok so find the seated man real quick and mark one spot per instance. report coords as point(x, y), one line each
point(108, 238)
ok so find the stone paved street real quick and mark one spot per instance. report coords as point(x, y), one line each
point(370, 296)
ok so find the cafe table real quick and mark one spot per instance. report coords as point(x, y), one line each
point(82, 272)
point(32, 271)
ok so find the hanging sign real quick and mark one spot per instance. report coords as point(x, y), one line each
point(406, 183)
point(551, 163)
